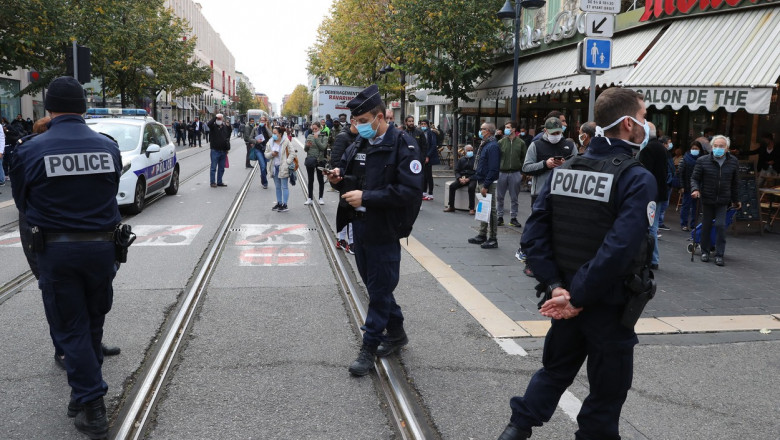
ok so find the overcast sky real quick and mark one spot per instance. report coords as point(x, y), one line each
point(281, 29)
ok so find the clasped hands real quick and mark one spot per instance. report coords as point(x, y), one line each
point(559, 307)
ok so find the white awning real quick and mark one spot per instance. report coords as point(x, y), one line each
point(555, 71)
point(727, 60)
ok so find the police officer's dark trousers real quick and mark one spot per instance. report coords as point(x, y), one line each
point(609, 347)
point(77, 293)
point(379, 266)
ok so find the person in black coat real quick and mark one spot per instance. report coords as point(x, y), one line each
point(688, 211)
point(768, 158)
point(715, 182)
point(464, 173)
point(653, 157)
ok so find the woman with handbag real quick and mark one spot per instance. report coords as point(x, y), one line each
point(315, 148)
point(281, 158)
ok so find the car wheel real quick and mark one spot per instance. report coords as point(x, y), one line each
point(139, 201)
point(173, 187)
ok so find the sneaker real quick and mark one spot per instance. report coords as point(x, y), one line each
point(479, 239)
point(320, 201)
point(428, 198)
point(341, 244)
point(490, 244)
point(213, 185)
point(664, 228)
point(654, 266)
point(276, 207)
point(308, 202)
point(500, 221)
point(283, 208)
point(424, 195)
point(685, 229)
point(520, 255)
point(719, 260)
point(705, 257)
point(513, 222)
point(351, 248)
point(265, 186)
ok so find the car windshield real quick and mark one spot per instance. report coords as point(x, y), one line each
point(126, 135)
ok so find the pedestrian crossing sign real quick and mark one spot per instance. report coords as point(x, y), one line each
point(597, 54)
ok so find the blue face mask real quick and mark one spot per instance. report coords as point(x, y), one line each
point(262, 124)
point(469, 154)
point(670, 146)
point(694, 153)
point(564, 129)
point(423, 128)
point(481, 135)
point(366, 131)
point(507, 131)
point(275, 137)
point(718, 152)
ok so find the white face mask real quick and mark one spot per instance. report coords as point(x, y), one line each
point(218, 122)
point(554, 138)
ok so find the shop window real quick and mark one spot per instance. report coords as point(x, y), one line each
point(10, 105)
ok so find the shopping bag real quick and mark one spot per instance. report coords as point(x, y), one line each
point(483, 208)
point(227, 161)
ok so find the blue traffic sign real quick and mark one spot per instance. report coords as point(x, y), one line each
point(597, 54)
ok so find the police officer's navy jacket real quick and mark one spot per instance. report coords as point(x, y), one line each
point(393, 177)
point(66, 179)
point(600, 278)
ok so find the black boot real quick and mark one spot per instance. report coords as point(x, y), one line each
point(512, 432)
point(392, 343)
point(110, 350)
point(74, 407)
point(364, 361)
point(92, 421)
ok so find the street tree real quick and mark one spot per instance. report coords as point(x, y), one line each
point(246, 100)
point(299, 103)
point(353, 45)
point(449, 44)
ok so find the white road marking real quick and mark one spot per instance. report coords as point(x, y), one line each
point(510, 346)
point(570, 405)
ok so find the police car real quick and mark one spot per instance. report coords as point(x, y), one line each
point(149, 164)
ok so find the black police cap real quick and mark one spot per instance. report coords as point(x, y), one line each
point(365, 101)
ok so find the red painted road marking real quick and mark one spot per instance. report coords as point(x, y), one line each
point(265, 236)
point(273, 256)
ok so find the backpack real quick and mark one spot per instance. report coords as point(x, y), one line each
point(408, 215)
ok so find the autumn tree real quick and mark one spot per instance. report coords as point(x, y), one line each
point(448, 44)
point(353, 45)
point(299, 103)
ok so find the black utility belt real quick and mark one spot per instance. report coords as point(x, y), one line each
point(73, 237)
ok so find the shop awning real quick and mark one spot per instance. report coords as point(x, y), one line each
point(209, 109)
point(177, 102)
point(555, 71)
point(716, 61)
point(186, 105)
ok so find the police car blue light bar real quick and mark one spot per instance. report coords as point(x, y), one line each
point(116, 111)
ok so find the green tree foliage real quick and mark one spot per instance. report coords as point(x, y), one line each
point(246, 100)
point(299, 103)
point(125, 37)
point(448, 44)
point(352, 45)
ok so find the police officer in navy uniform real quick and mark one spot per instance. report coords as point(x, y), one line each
point(380, 179)
point(584, 240)
point(65, 182)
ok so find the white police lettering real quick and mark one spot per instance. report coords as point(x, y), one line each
point(415, 166)
point(360, 157)
point(582, 184)
point(75, 164)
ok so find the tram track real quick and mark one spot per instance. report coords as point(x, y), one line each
point(18, 283)
point(136, 413)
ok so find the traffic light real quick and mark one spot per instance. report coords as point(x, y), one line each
point(33, 76)
point(84, 64)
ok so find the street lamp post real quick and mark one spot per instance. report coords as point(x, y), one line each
point(508, 13)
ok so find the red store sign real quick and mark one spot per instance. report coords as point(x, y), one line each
point(660, 8)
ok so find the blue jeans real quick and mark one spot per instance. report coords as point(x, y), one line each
point(262, 162)
point(688, 211)
point(217, 165)
point(654, 233)
point(2, 173)
point(282, 192)
point(662, 208)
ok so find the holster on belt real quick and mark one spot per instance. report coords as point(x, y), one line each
point(123, 238)
point(641, 289)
